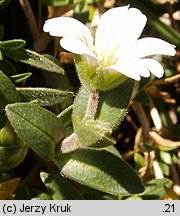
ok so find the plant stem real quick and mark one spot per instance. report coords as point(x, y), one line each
point(92, 105)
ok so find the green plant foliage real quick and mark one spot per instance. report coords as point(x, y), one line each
point(56, 3)
point(65, 118)
point(101, 170)
point(7, 67)
point(18, 78)
point(45, 96)
point(12, 149)
point(12, 44)
point(96, 133)
point(39, 128)
point(34, 59)
point(155, 189)
point(58, 188)
point(8, 91)
point(4, 3)
point(152, 11)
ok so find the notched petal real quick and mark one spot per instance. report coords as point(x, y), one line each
point(153, 66)
point(68, 27)
point(75, 46)
point(153, 46)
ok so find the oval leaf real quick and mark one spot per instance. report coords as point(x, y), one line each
point(111, 110)
point(100, 170)
point(12, 44)
point(8, 93)
point(38, 127)
point(45, 96)
point(113, 104)
point(58, 188)
point(34, 59)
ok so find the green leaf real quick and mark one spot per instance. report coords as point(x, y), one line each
point(100, 170)
point(20, 77)
point(65, 118)
point(139, 161)
point(92, 194)
point(58, 188)
point(12, 44)
point(81, 12)
point(56, 3)
point(38, 127)
point(112, 108)
point(165, 157)
point(11, 156)
point(7, 67)
point(1, 56)
point(1, 31)
point(113, 104)
point(166, 31)
point(154, 189)
point(45, 96)
point(59, 81)
point(37, 194)
point(4, 3)
point(12, 149)
point(93, 133)
point(8, 93)
point(34, 59)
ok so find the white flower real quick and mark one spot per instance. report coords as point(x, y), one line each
point(116, 47)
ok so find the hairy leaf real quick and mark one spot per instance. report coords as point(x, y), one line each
point(38, 127)
point(101, 170)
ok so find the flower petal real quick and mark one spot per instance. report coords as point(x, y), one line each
point(132, 69)
point(122, 24)
point(75, 46)
point(136, 22)
point(118, 28)
point(69, 27)
point(153, 66)
point(152, 46)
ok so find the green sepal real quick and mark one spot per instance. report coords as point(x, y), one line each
point(94, 77)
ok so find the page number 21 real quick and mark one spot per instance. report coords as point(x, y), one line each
point(169, 208)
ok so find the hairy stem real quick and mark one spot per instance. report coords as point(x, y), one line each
point(92, 105)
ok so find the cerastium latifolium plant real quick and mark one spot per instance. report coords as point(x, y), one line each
point(75, 138)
